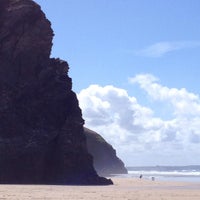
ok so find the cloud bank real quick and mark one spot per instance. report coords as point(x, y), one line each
point(133, 129)
point(161, 48)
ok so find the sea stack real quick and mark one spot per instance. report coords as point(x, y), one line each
point(42, 139)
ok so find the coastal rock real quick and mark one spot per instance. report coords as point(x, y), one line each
point(106, 161)
point(42, 139)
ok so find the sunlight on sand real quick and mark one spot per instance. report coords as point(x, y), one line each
point(123, 188)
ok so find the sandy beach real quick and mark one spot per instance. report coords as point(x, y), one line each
point(123, 188)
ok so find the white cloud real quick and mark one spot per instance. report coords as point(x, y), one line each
point(184, 103)
point(161, 48)
point(134, 130)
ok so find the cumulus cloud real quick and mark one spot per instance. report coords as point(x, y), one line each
point(161, 48)
point(133, 129)
point(184, 103)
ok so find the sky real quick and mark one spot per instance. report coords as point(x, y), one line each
point(135, 70)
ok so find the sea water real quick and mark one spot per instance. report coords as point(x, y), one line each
point(166, 173)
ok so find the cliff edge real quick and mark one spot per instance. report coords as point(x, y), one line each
point(42, 139)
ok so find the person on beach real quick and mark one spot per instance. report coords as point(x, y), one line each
point(140, 176)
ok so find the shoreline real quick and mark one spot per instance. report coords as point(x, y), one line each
point(161, 178)
point(123, 189)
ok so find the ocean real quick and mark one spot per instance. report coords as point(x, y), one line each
point(166, 173)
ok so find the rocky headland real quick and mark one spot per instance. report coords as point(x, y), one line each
point(42, 139)
point(106, 161)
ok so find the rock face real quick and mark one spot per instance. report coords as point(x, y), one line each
point(106, 161)
point(41, 131)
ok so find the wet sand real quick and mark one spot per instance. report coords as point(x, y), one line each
point(123, 189)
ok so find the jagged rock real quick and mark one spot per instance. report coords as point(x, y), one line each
point(42, 139)
point(106, 161)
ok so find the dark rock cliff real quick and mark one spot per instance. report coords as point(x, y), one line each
point(41, 127)
point(106, 161)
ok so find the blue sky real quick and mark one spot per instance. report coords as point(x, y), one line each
point(135, 69)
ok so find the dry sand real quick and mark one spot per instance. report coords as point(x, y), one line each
point(123, 188)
